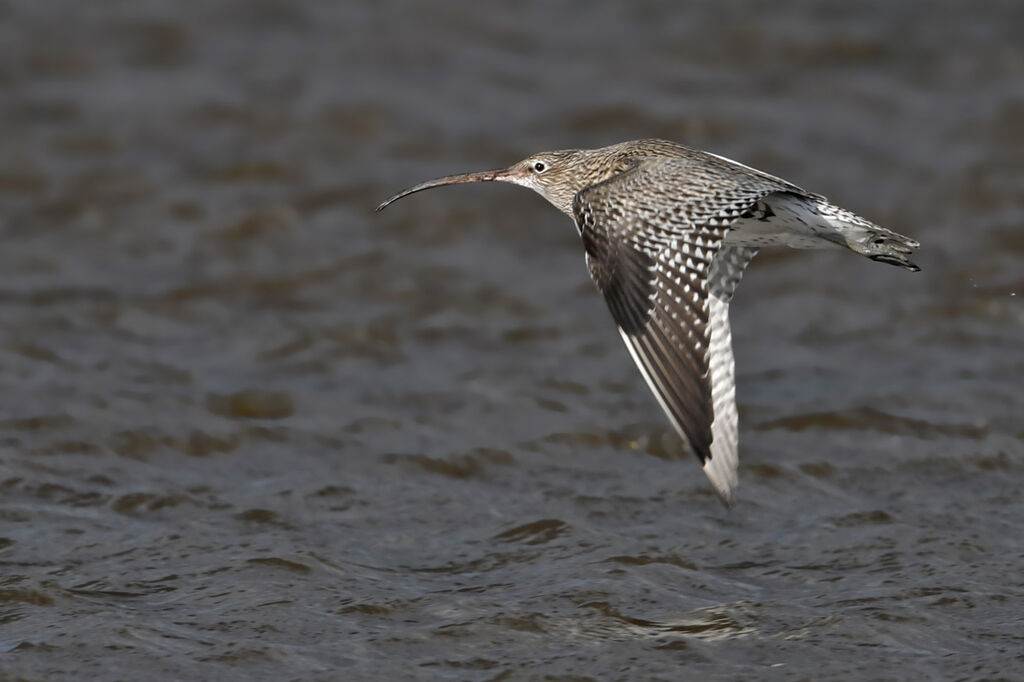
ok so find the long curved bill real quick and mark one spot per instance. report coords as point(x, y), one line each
point(482, 176)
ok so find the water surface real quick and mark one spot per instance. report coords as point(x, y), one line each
point(252, 430)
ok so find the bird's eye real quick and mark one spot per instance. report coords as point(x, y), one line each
point(540, 167)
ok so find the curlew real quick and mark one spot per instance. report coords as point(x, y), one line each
point(668, 231)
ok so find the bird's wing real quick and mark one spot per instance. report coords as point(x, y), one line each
point(726, 270)
point(651, 235)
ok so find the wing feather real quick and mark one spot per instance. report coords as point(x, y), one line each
point(658, 261)
point(726, 271)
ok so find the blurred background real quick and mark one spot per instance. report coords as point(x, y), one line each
point(252, 430)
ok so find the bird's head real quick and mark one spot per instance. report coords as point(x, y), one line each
point(557, 176)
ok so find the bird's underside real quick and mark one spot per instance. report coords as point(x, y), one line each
point(667, 242)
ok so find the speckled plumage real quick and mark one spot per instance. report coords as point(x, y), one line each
point(668, 231)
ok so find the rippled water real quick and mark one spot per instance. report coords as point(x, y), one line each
point(252, 430)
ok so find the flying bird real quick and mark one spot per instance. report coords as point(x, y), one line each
point(668, 231)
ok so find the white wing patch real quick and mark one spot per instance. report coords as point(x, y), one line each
point(722, 467)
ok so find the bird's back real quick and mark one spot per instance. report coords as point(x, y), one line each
point(701, 164)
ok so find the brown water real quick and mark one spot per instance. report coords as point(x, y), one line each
point(252, 430)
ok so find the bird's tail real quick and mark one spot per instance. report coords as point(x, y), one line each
point(868, 239)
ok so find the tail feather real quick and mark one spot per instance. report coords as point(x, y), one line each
point(868, 239)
